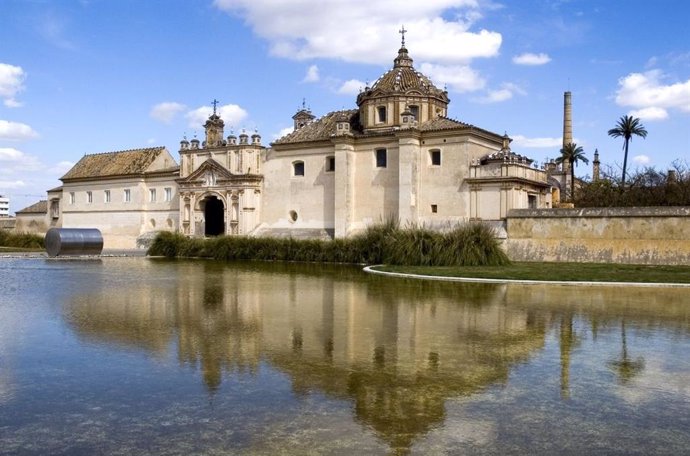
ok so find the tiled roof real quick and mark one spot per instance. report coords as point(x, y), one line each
point(443, 123)
point(37, 208)
point(320, 129)
point(134, 161)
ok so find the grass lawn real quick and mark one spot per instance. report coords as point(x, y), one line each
point(594, 272)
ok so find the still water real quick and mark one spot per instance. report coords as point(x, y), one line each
point(133, 356)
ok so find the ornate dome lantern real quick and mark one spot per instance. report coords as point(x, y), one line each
point(399, 89)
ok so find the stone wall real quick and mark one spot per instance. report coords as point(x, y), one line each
point(651, 235)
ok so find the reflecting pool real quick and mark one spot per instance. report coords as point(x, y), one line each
point(134, 356)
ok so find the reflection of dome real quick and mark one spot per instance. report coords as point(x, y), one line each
point(403, 79)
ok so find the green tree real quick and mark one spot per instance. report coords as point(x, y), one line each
point(572, 154)
point(627, 127)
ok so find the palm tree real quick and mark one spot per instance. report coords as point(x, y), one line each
point(626, 127)
point(572, 153)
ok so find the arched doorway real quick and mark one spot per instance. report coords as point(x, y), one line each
point(214, 216)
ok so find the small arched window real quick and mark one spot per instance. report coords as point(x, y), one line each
point(298, 168)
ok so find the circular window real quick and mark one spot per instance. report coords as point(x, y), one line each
point(293, 216)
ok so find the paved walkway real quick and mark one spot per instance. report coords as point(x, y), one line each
point(370, 270)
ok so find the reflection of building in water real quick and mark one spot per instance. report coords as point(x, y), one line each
point(218, 323)
point(397, 353)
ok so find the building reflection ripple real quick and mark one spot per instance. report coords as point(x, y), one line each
point(396, 349)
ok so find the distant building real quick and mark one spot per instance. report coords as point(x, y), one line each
point(396, 155)
point(32, 219)
point(4, 206)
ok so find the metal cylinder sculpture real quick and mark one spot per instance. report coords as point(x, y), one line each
point(73, 241)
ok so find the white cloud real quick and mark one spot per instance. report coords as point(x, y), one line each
point(231, 114)
point(459, 78)
point(647, 93)
point(309, 30)
point(53, 29)
point(641, 159)
point(11, 83)
point(531, 59)
point(283, 132)
point(165, 112)
point(16, 131)
point(7, 185)
point(61, 168)
point(312, 74)
point(351, 87)
point(13, 161)
point(536, 143)
point(651, 113)
point(506, 92)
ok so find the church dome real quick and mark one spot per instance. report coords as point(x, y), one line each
point(402, 79)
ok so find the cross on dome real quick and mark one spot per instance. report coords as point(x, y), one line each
point(402, 31)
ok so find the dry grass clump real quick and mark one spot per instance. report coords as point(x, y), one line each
point(470, 244)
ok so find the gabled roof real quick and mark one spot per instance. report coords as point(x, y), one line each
point(40, 207)
point(120, 163)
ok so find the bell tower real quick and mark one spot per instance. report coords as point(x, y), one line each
point(214, 128)
point(303, 117)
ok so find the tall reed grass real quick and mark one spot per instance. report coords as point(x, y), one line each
point(20, 240)
point(471, 244)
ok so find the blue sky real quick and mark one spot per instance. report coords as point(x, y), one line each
point(89, 76)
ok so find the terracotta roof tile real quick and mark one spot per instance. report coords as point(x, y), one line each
point(320, 129)
point(134, 161)
point(40, 207)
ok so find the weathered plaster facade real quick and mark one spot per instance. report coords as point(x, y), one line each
point(652, 235)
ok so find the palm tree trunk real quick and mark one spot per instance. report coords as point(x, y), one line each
point(625, 162)
point(572, 181)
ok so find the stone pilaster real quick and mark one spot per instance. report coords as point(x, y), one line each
point(408, 181)
point(344, 192)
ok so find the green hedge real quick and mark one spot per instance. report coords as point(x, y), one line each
point(21, 240)
point(471, 244)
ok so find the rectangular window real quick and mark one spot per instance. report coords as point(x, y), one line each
point(381, 158)
point(434, 208)
point(532, 201)
point(381, 110)
point(298, 168)
point(168, 194)
point(71, 197)
point(106, 196)
point(127, 197)
point(152, 195)
point(435, 156)
point(415, 112)
point(89, 197)
point(330, 164)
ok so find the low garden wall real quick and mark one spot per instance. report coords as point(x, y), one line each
point(649, 235)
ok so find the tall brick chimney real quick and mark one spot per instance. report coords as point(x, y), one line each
point(567, 125)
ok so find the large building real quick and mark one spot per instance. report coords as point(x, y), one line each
point(397, 154)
